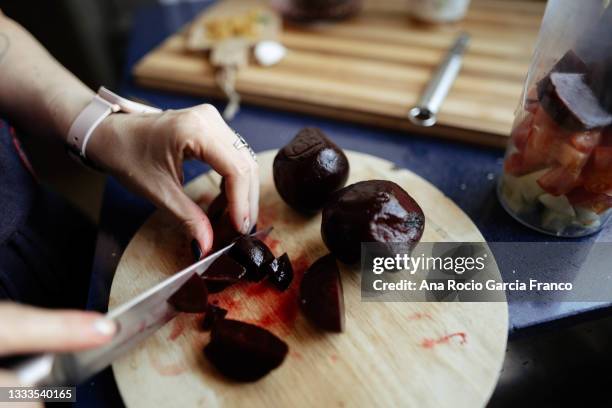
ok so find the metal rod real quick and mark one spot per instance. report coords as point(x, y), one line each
point(426, 109)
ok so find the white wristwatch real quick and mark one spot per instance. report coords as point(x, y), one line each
point(101, 106)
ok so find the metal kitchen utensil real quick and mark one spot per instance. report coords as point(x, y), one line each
point(136, 320)
point(426, 109)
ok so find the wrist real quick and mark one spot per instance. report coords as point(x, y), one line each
point(103, 104)
point(105, 144)
point(65, 106)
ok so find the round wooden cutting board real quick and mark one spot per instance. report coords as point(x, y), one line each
point(391, 354)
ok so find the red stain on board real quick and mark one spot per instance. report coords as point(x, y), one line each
point(273, 244)
point(267, 215)
point(164, 368)
point(431, 343)
point(296, 355)
point(178, 326)
point(226, 299)
point(262, 304)
point(419, 316)
point(181, 322)
point(300, 264)
point(333, 358)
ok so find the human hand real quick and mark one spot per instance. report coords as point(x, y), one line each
point(146, 152)
point(27, 329)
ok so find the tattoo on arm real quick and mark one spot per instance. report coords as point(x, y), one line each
point(5, 44)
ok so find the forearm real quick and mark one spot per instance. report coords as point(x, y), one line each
point(36, 93)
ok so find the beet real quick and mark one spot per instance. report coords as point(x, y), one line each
point(244, 352)
point(224, 232)
point(309, 169)
point(600, 80)
point(217, 207)
point(569, 100)
point(279, 272)
point(321, 296)
point(370, 211)
point(213, 315)
point(223, 272)
point(570, 63)
point(192, 297)
point(251, 253)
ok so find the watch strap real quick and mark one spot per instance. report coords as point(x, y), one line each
point(87, 121)
point(103, 104)
point(126, 105)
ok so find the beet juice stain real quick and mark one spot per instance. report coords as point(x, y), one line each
point(278, 310)
point(431, 343)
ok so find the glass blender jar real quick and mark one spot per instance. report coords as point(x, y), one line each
point(557, 174)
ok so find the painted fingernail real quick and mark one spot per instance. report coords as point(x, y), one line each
point(105, 327)
point(196, 250)
point(246, 224)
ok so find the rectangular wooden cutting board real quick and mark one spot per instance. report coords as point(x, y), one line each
point(372, 68)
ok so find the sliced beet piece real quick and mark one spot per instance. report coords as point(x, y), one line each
point(242, 351)
point(279, 272)
point(224, 272)
point(321, 295)
point(251, 253)
point(192, 297)
point(570, 63)
point(569, 100)
point(213, 315)
point(600, 80)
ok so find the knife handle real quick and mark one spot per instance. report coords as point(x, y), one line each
point(35, 371)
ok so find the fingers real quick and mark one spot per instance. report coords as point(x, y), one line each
point(237, 186)
point(235, 165)
point(253, 187)
point(194, 220)
point(26, 329)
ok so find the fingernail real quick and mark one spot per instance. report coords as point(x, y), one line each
point(196, 250)
point(105, 327)
point(246, 224)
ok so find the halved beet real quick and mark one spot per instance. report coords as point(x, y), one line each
point(251, 253)
point(224, 272)
point(244, 352)
point(213, 315)
point(279, 272)
point(569, 100)
point(192, 297)
point(321, 296)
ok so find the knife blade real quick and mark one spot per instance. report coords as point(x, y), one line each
point(136, 320)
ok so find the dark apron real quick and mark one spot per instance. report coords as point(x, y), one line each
point(46, 246)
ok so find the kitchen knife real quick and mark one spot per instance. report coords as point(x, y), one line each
point(136, 320)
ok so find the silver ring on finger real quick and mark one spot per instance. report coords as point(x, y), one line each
point(240, 143)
